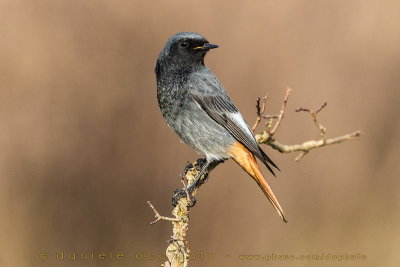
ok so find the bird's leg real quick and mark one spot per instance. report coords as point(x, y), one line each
point(180, 193)
point(197, 181)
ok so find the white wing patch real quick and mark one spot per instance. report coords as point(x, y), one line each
point(239, 121)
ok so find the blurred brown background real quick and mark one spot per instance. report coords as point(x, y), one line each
point(83, 144)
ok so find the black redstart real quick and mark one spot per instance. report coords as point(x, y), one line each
point(196, 106)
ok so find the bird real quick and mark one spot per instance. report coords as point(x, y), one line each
point(196, 106)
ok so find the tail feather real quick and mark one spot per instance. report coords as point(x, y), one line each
point(267, 159)
point(247, 161)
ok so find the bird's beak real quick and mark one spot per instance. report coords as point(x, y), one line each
point(207, 46)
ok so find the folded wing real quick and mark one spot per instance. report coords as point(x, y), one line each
point(220, 108)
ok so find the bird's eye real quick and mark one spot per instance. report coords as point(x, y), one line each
point(184, 44)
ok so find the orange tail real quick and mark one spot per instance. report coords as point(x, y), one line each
point(246, 160)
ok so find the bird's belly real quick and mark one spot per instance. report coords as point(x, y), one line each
point(203, 134)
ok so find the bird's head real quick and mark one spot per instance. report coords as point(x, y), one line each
point(188, 48)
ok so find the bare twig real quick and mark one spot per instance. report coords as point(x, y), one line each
point(159, 217)
point(321, 107)
point(260, 111)
point(267, 117)
point(314, 117)
point(308, 145)
point(266, 136)
point(280, 117)
point(302, 154)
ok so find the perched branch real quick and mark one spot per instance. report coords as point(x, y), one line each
point(178, 251)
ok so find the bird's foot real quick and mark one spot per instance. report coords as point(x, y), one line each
point(181, 193)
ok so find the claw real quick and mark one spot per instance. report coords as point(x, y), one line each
point(181, 193)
